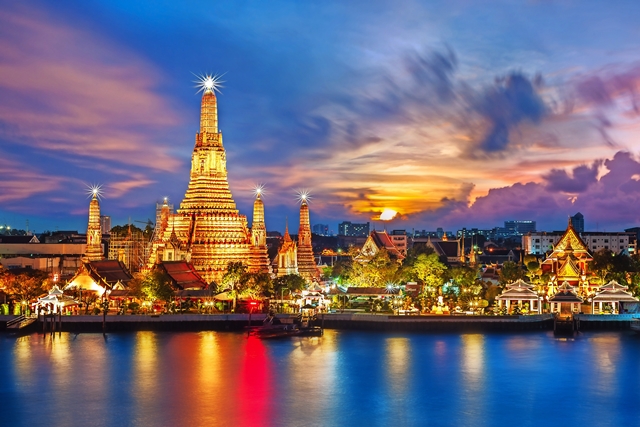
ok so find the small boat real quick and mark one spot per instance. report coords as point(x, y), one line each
point(272, 327)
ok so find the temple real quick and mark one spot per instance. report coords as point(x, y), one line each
point(307, 267)
point(207, 230)
point(287, 259)
point(93, 251)
point(568, 262)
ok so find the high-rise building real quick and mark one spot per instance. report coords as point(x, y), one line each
point(578, 222)
point(320, 229)
point(347, 228)
point(519, 227)
point(208, 230)
point(105, 224)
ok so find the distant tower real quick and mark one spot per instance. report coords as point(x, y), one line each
point(287, 259)
point(578, 222)
point(259, 236)
point(307, 267)
point(94, 232)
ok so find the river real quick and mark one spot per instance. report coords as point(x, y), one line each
point(345, 378)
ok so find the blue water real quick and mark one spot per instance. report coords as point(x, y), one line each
point(341, 379)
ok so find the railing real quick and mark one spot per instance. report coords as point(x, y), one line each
point(15, 321)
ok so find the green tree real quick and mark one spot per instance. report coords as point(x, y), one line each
point(430, 271)
point(255, 286)
point(376, 270)
point(510, 272)
point(156, 286)
point(292, 282)
point(232, 279)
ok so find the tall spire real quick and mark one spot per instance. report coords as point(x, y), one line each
point(209, 113)
point(306, 262)
point(258, 227)
point(94, 233)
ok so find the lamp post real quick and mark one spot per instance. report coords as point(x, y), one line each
point(282, 298)
point(105, 307)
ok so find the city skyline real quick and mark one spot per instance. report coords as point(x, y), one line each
point(455, 116)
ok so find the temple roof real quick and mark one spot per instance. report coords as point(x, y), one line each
point(572, 242)
point(614, 295)
point(183, 275)
point(110, 271)
point(612, 285)
point(565, 294)
point(380, 239)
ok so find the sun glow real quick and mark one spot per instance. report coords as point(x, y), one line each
point(388, 215)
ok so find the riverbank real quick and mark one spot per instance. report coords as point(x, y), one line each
point(347, 321)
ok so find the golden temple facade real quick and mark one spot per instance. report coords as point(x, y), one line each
point(208, 231)
point(307, 267)
point(93, 251)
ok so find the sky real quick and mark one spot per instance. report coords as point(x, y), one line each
point(452, 113)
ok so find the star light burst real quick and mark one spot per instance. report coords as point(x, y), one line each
point(208, 82)
point(258, 190)
point(303, 196)
point(94, 190)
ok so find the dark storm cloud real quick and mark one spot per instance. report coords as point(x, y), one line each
point(577, 182)
point(512, 100)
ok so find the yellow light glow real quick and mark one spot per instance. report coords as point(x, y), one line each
point(388, 215)
point(258, 190)
point(94, 190)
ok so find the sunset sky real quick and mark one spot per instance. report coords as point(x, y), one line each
point(453, 113)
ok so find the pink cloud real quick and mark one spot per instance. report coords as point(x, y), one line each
point(67, 90)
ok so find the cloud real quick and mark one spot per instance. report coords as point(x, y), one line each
point(581, 178)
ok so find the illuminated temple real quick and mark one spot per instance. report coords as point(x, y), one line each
point(93, 251)
point(207, 230)
point(569, 262)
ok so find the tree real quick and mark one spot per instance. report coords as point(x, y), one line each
point(376, 270)
point(255, 285)
point(430, 271)
point(292, 282)
point(25, 285)
point(232, 279)
point(156, 286)
point(511, 272)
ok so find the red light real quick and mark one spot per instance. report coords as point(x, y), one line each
point(253, 303)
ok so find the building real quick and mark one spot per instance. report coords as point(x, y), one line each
point(208, 230)
point(519, 227)
point(578, 222)
point(321, 229)
point(568, 263)
point(378, 240)
point(105, 224)
point(539, 243)
point(94, 250)
point(307, 267)
point(286, 262)
point(347, 228)
point(400, 240)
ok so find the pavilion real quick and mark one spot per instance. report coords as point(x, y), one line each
point(609, 298)
point(520, 293)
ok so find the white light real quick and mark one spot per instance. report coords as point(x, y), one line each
point(303, 196)
point(209, 83)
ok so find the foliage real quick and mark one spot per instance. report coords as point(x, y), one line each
point(24, 285)
point(511, 272)
point(430, 271)
point(255, 285)
point(292, 282)
point(415, 251)
point(153, 286)
point(375, 271)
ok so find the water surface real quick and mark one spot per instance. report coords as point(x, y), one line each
point(344, 378)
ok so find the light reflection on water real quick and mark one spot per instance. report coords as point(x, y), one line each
point(342, 378)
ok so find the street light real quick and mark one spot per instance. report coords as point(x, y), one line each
point(282, 298)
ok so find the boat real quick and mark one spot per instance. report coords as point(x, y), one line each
point(272, 327)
